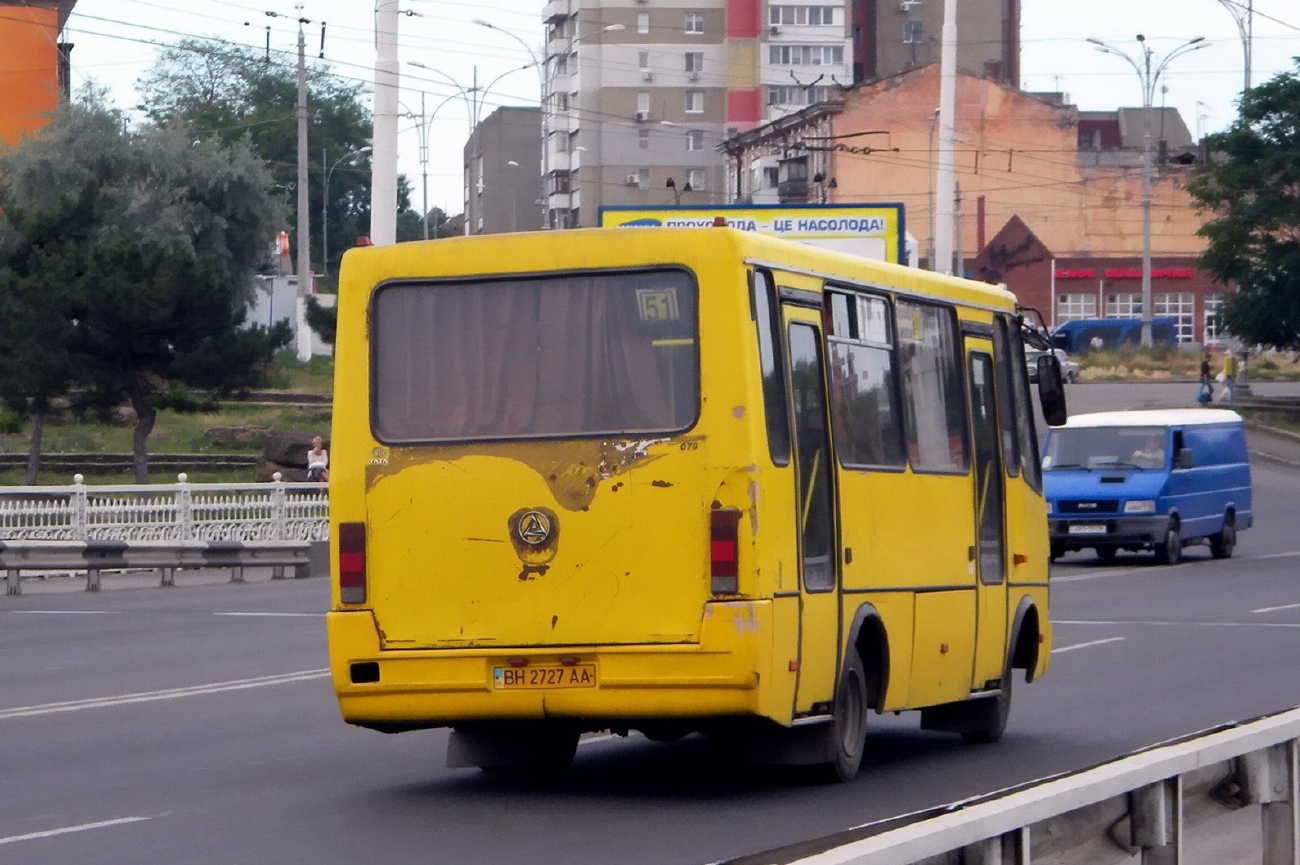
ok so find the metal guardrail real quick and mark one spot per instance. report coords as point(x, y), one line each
point(159, 526)
point(94, 557)
point(1154, 804)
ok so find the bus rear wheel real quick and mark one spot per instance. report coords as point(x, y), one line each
point(847, 732)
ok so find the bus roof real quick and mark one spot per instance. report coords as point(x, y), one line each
point(1155, 417)
point(603, 247)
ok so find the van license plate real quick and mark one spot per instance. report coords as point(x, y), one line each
point(1087, 529)
point(526, 678)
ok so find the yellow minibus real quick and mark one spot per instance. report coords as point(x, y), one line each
point(677, 481)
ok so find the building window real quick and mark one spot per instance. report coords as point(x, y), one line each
point(561, 144)
point(789, 94)
point(1123, 305)
point(694, 101)
point(695, 178)
point(561, 102)
point(562, 65)
point(810, 15)
point(806, 55)
point(1182, 306)
point(913, 32)
point(1213, 309)
point(695, 61)
point(643, 60)
point(694, 23)
point(1075, 305)
point(695, 140)
point(643, 178)
point(643, 23)
point(643, 102)
point(643, 139)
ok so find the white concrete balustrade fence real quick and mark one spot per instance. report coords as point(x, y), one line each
point(182, 511)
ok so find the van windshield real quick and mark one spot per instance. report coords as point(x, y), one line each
point(562, 355)
point(1106, 448)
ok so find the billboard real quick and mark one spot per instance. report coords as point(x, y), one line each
point(869, 230)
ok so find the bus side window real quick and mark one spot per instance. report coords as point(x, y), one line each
point(767, 321)
point(1030, 459)
point(1003, 372)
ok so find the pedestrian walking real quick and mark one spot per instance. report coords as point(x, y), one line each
point(1228, 377)
point(1205, 393)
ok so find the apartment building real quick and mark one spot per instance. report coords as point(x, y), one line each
point(641, 94)
point(33, 65)
point(501, 187)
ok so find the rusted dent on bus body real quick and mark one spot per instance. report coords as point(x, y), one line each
point(573, 469)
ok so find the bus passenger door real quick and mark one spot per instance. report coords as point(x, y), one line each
point(990, 521)
point(819, 631)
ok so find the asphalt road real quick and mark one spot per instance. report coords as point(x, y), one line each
point(196, 725)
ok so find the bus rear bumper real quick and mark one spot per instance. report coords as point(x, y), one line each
point(405, 689)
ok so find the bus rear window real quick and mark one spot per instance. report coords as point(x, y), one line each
point(561, 355)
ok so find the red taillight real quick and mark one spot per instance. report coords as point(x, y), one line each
point(352, 563)
point(724, 551)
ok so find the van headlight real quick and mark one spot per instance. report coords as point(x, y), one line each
point(1140, 506)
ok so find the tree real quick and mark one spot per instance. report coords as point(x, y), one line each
point(1253, 189)
point(40, 260)
point(158, 256)
point(237, 93)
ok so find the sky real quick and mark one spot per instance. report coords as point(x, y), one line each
point(116, 42)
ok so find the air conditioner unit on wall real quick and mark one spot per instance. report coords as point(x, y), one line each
point(694, 76)
point(641, 116)
point(775, 31)
point(647, 75)
point(633, 180)
point(907, 6)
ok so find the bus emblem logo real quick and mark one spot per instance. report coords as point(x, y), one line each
point(534, 528)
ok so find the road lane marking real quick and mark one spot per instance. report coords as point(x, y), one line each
point(64, 612)
point(272, 615)
point(1196, 624)
point(67, 830)
point(1146, 567)
point(1089, 643)
point(154, 696)
point(1275, 609)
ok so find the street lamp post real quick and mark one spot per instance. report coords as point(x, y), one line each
point(423, 129)
point(544, 102)
point(1149, 78)
point(1245, 18)
point(325, 202)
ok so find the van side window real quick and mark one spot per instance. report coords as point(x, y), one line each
point(1002, 373)
point(933, 392)
point(766, 319)
point(863, 389)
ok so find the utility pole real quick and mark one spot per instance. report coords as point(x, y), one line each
point(301, 329)
point(383, 201)
point(945, 189)
point(304, 213)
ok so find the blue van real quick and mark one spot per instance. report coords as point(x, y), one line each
point(1147, 480)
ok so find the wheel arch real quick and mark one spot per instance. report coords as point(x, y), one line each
point(867, 637)
point(1026, 635)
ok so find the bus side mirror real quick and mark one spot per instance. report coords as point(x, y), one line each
point(1184, 459)
point(1051, 390)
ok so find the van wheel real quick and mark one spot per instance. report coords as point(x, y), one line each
point(847, 733)
point(1222, 544)
point(1107, 553)
point(1055, 552)
point(1171, 549)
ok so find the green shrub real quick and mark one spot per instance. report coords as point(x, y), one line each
point(10, 422)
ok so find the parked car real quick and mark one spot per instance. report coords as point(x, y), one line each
point(1147, 480)
point(1069, 368)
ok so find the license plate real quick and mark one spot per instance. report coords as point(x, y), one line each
point(1087, 529)
point(527, 678)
